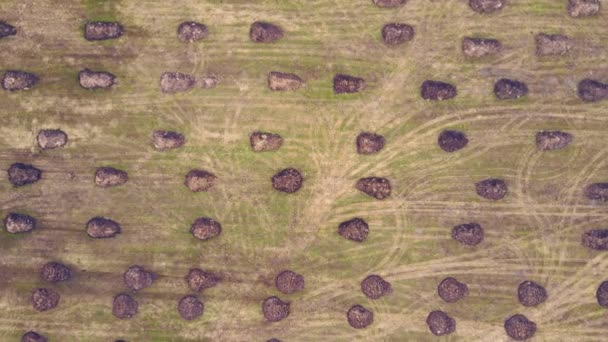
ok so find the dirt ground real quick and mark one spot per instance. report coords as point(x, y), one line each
point(533, 233)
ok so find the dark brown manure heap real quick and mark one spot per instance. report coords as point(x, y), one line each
point(20, 174)
point(519, 327)
point(376, 187)
point(440, 323)
point(14, 80)
point(199, 180)
point(190, 307)
point(355, 229)
point(199, 280)
point(101, 227)
point(51, 138)
point(45, 299)
point(451, 141)
point(451, 290)
point(108, 176)
point(492, 188)
point(287, 180)
point(190, 31)
point(530, 293)
point(552, 140)
point(54, 272)
point(137, 278)
point(166, 140)
point(289, 282)
point(19, 223)
point(480, 47)
point(470, 234)
point(205, 228)
point(347, 84)
point(359, 317)
point(507, 89)
point(124, 306)
point(102, 30)
point(265, 32)
point(274, 309)
point(397, 33)
point(437, 90)
point(374, 286)
point(369, 143)
point(172, 82)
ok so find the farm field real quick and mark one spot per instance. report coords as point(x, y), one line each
point(532, 233)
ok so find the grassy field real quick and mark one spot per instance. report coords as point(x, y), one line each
point(533, 233)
